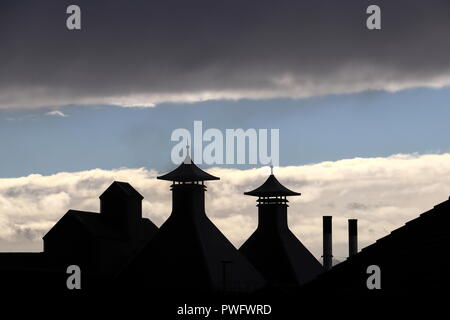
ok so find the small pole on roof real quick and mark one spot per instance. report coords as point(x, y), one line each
point(271, 169)
point(187, 160)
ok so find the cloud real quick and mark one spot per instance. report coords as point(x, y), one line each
point(56, 113)
point(383, 193)
point(142, 53)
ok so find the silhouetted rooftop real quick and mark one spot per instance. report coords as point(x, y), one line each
point(123, 187)
point(271, 188)
point(188, 172)
point(96, 224)
point(418, 250)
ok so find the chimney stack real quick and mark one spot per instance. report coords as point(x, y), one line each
point(352, 237)
point(327, 243)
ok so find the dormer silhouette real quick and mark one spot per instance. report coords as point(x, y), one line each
point(273, 249)
point(121, 205)
point(189, 252)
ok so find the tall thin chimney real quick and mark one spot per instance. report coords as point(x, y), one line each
point(352, 237)
point(327, 243)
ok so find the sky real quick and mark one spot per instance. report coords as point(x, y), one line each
point(362, 114)
point(367, 124)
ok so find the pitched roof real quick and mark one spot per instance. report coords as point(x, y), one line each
point(124, 188)
point(187, 172)
point(271, 188)
point(281, 257)
point(191, 252)
point(432, 223)
point(95, 224)
point(92, 222)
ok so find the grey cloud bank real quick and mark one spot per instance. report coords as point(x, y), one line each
point(148, 52)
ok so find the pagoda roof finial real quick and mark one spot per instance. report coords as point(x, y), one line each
point(271, 169)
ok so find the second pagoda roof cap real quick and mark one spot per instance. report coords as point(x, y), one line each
point(271, 188)
point(187, 172)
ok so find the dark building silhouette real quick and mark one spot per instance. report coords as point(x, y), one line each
point(102, 242)
point(189, 252)
point(414, 260)
point(273, 249)
point(117, 250)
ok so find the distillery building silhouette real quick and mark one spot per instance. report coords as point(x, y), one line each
point(99, 243)
point(189, 252)
point(102, 242)
point(273, 249)
point(120, 251)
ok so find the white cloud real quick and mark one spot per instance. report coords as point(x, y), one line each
point(343, 82)
point(382, 193)
point(56, 113)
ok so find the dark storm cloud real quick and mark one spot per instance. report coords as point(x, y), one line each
point(152, 51)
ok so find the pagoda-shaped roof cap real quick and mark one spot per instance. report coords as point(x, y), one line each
point(271, 188)
point(188, 172)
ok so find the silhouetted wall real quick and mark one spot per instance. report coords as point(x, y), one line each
point(123, 211)
point(188, 199)
point(272, 217)
point(70, 242)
